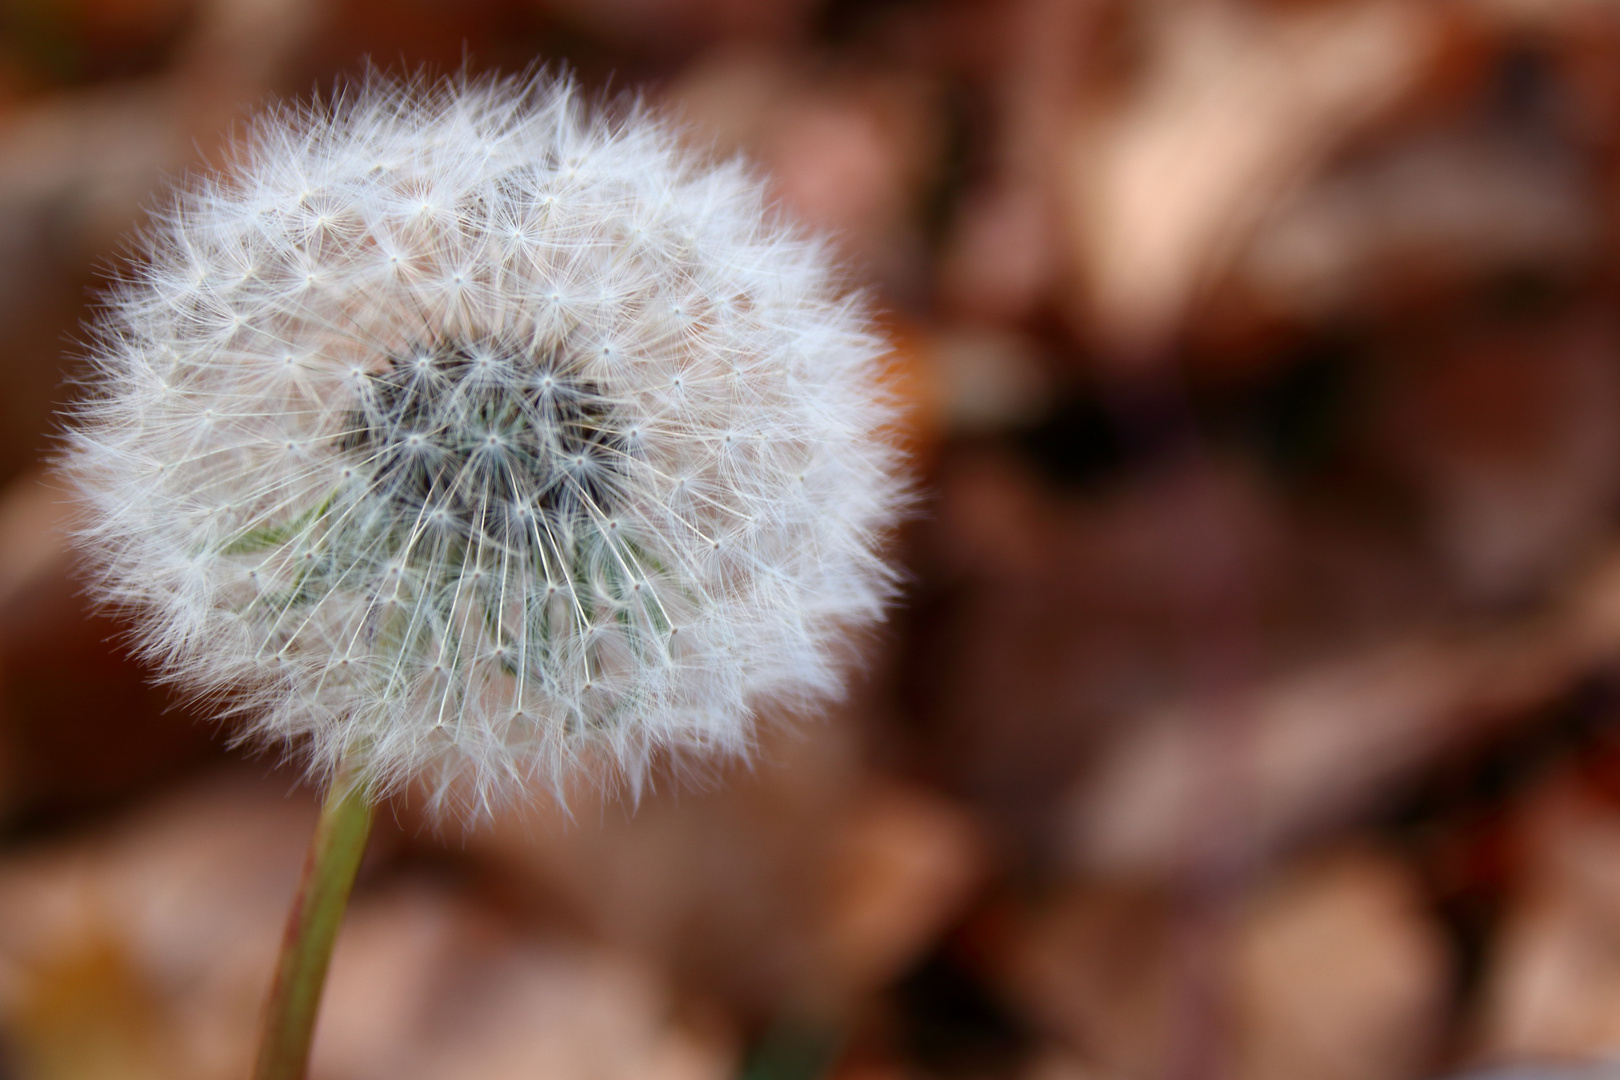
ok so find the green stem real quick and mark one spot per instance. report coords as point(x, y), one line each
point(312, 926)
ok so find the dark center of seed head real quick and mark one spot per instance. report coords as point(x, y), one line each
point(497, 446)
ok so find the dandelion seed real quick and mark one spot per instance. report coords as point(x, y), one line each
point(463, 434)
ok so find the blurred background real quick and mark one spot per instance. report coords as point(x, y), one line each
point(1254, 709)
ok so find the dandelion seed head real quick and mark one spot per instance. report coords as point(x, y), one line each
point(471, 435)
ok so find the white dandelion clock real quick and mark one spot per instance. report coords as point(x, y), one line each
point(459, 432)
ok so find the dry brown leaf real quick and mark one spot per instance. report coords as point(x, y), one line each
point(1553, 990)
point(1341, 975)
point(901, 870)
point(717, 884)
point(1331, 971)
point(181, 906)
point(1317, 746)
point(1437, 211)
point(801, 885)
point(1239, 103)
point(427, 986)
point(1003, 255)
point(35, 520)
point(86, 1014)
point(1095, 971)
point(1512, 436)
point(846, 152)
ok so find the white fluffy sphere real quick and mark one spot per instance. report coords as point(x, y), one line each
point(458, 431)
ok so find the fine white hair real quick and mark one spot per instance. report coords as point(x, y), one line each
point(460, 432)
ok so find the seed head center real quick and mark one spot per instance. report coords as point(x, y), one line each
point(482, 441)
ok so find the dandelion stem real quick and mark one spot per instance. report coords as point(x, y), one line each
point(312, 926)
